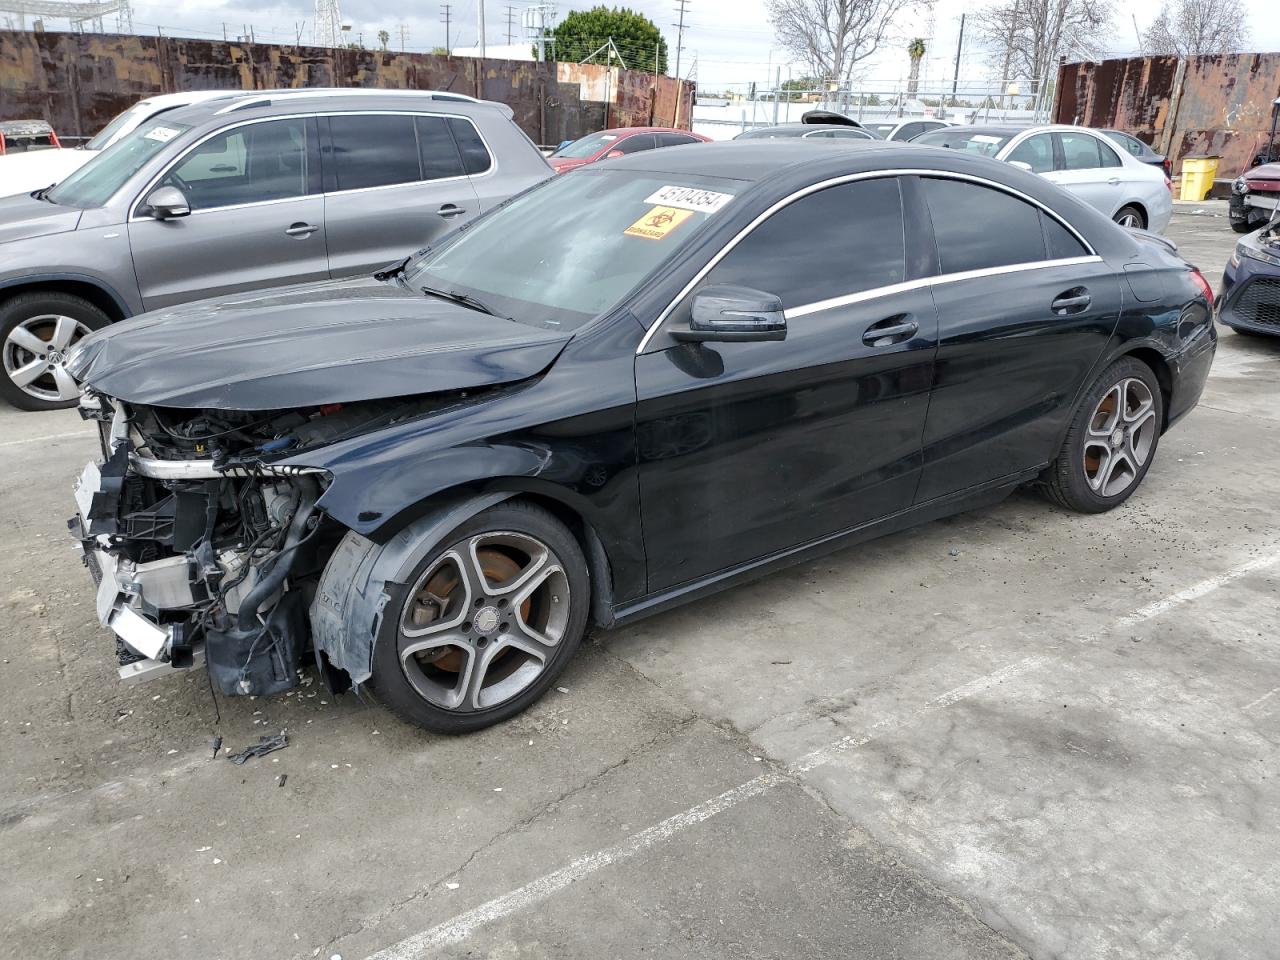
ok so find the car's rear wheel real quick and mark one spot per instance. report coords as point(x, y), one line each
point(488, 621)
point(1131, 217)
point(36, 331)
point(1112, 440)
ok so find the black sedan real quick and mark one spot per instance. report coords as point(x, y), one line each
point(621, 391)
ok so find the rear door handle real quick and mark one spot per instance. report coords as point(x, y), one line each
point(300, 230)
point(1076, 300)
point(1114, 181)
point(891, 330)
point(448, 210)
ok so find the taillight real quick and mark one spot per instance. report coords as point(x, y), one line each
point(1203, 284)
point(1168, 184)
point(1167, 166)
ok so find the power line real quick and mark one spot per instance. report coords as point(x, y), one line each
point(511, 24)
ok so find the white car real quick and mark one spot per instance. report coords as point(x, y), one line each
point(1083, 162)
point(906, 128)
point(24, 172)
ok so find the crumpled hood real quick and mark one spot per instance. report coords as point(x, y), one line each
point(308, 345)
point(22, 217)
point(1268, 171)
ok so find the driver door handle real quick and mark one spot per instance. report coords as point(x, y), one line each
point(891, 330)
point(301, 230)
point(448, 210)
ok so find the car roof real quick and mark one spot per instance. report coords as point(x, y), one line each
point(628, 131)
point(307, 99)
point(802, 127)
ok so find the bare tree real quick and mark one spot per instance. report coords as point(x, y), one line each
point(832, 36)
point(1030, 36)
point(1190, 28)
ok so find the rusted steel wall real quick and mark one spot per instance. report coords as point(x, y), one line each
point(1217, 105)
point(79, 81)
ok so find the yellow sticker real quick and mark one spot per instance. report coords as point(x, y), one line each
point(658, 222)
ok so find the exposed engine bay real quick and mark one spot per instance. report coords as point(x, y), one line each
point(203, 545)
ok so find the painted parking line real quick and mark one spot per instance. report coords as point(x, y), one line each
point(47, 438)
point(464, 925)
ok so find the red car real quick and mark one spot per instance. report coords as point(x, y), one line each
point(616, 143)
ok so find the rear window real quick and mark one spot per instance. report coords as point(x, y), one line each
point(475, 155)
point(978, 227)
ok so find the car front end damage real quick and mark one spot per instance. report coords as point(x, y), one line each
point(203, 545)
point(1250, 297)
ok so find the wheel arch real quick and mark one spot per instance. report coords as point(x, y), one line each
point(347, 611)
point(1154, 359)
point(95, 291)
point(1140, 207)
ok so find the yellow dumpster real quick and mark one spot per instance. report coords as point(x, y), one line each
point(1197, 177)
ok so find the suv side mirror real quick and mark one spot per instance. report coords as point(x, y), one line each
point(613, 155)
point(729, 314)
point(168, 203)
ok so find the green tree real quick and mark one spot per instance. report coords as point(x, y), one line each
point(581, 34)
point(383, 39)
point(916, 51)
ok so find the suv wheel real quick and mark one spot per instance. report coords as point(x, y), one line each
point(36, 331)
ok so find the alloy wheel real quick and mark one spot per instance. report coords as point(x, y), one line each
point(1130, 220)
point(1120, 438)
point(483, 620)
point(35, 352)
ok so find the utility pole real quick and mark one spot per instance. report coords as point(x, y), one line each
point(445, 15)
point(681, 8)
point(955, 80)
point(403, 31)
point(511, 22)
point(480, 25)
point(1008, 55)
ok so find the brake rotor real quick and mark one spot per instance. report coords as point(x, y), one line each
point(443, 588)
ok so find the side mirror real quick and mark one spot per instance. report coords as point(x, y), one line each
point(613, 154)
point(168, 203)
point(1021, 165)
point(729, 314)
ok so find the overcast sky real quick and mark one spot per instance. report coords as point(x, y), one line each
point(731, 40)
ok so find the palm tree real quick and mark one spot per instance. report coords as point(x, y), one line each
point(384, 38)
point(915, 50)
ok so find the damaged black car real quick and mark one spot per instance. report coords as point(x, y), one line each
point(622, 390)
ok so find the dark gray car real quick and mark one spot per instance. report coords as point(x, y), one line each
point(245, 191)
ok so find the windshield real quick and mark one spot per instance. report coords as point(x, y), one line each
point(98, 180)
point(588, 146)
point(771, 133)
point(571, 248)
point(119, 126)
point(986, 144)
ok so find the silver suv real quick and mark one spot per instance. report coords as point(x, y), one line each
point(249, 190)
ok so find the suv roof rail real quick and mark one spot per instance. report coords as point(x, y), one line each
point(265, 98)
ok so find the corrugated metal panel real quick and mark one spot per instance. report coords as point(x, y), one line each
point(79, 81)
point(1204, 105)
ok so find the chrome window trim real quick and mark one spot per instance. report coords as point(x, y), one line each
point(876, 291)
point(818, 306)
point(151, 185)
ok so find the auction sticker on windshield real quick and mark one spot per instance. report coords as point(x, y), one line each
point(163, 134)
point(689, 198)
point(658, 222)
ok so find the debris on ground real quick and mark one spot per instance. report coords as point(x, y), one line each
point(264, 746)
point(216, 744)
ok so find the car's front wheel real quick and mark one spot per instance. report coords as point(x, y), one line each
point(488, 621)
point(1111, 442)
point(36, 331)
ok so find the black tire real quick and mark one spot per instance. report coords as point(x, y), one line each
point(1131, 211)
point(390, 683)
point(1241, 226)
point(1067, 481)
point(21, 310)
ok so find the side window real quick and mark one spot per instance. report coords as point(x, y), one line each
point(674, 139)
point(979, 227)
point(1109, 157)
point(1036, 152)
point(851, 134)
point(253, 163)
point(840, 240)
point(909, 130)
point(1060, 241)
point(475, 155)
point(439, 153)
point(641, 141)
point(1079, 151)
point(374, 150)
point(1132, 144)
